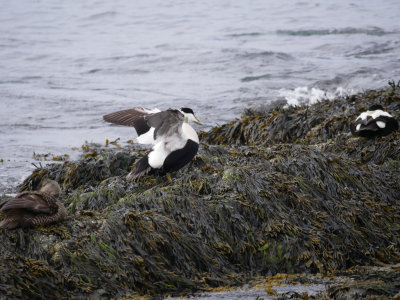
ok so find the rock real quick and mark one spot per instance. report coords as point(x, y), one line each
point(281, 190)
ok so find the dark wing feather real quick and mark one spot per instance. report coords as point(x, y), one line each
point(142, 167)
point(31, 201)
point(391, 124)
point(166, 123)
point(369, 120)
point(10, 222)
point(353, 128)
point(2, 204)
point(135, 117)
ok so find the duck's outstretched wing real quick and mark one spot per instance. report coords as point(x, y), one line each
point(135, 117)
point(166, 123)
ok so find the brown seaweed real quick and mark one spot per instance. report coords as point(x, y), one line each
point(282, 190)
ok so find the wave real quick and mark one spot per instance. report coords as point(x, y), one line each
point(348, 30)
point(253, 78)
point(116, 71)
point(265, 54)
point(245, 34)
point(375, 48)
point(308, 96)
point(103, 15)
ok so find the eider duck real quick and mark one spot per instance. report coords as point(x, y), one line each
point(32, 208)
point(374, 122)
point(175, 142)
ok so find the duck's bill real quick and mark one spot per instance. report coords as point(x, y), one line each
point(197, 121)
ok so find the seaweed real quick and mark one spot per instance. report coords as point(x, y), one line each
point(281, 190)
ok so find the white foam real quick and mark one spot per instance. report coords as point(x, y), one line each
point(305, 95)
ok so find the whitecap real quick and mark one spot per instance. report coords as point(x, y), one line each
point(308, 96)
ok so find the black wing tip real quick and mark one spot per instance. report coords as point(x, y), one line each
point(142, 168)
point(126, 118)
point(106, 118)
point(135, 174)
point(110, 118)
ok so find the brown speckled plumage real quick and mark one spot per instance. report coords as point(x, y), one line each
point(33, 208)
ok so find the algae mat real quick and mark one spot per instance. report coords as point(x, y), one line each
point(280, 190)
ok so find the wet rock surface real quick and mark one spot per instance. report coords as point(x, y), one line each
point(285, 190)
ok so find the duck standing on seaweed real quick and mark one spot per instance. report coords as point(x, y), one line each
point(32, 208)
point(175, 142)
point(374, 122)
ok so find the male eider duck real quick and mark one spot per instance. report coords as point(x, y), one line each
point(32, 208)
point(174, 141)
point(374, 122)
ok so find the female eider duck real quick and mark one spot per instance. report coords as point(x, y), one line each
point(374, 122)
point(32, 208)
point(174, 141)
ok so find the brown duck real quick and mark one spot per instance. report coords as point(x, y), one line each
point(33, 208)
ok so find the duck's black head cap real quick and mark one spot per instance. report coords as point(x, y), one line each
point(375, 107)
point(187, 110)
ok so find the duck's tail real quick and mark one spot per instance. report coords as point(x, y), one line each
point(142, 167)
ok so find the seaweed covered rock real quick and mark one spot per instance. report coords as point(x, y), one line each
point(309, 198)
point(381, 282)
point(303, 124)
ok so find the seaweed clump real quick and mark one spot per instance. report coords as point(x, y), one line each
point(283, 190)
point(318, 123)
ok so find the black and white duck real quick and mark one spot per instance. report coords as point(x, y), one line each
point(175, 142)
point(375, 121)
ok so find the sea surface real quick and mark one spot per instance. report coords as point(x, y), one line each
point(64, 64)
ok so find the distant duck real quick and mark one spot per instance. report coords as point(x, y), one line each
point(375, 121)
point(32, 208)
point(175, 142)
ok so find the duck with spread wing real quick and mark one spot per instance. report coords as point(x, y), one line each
point(175, 142)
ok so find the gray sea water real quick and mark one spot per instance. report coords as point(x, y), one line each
point(63, 64)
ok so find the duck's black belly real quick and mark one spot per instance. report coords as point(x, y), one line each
point(179, 158)
point(371, 128)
